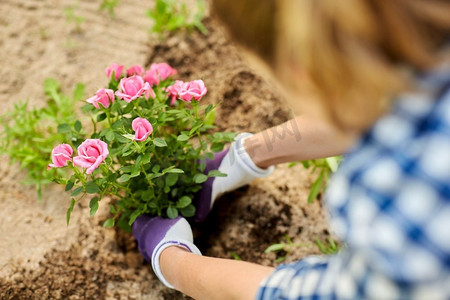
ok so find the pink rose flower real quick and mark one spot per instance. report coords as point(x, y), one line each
point(61, 154)
point(133, 87)
point(103, 96)
point(173, 91)
point(135, 70)
point(159, 72)
point(195, 89)
point(114, 69)
point(91, 153)
point(142, 129)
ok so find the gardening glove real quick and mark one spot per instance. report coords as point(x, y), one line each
point(240, 170)
point(154, 234)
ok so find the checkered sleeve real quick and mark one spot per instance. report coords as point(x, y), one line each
point(390, 204)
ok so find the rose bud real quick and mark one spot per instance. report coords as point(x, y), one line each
point(103, 96)
point(195, 89)
point(135, 70)
point(114, 69)
point(173, 91)
point(133, 87)
point(142, 129)
point(61, 154)
point(159, 72)
point(91, 153)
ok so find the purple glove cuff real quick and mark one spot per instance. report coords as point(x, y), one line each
point(149, 231)
point(203, 200)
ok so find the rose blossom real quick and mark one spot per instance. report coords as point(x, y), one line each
point(135, 70)
point(116, 69)
point(60, 155)
point(103, 96)
point(173, 90)
point(142, 128)
point(159, 72)
point(91, 153)
point(195, 89)
point(133, 87)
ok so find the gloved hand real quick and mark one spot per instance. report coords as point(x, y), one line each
point(240, 170)
point(154, 234)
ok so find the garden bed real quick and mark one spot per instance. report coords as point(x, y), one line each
point(43, 258)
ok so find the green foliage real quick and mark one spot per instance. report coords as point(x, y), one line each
point(324, 166)
point(109, 6)
point(29, 135)
point(171, 15)
point(328, 247)
point(283, 248)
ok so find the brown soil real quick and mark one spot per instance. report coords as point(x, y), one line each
point(43, 258)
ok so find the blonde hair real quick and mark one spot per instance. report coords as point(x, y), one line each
point(355, 52)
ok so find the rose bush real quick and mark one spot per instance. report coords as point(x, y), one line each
point(146, 151)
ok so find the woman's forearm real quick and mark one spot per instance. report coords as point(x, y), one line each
point(210, 278)
point(299, 139)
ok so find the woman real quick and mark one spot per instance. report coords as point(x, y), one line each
point(380, 70)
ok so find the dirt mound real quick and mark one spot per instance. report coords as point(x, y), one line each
point(86, 261)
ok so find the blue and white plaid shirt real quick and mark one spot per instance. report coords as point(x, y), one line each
point(389, 202)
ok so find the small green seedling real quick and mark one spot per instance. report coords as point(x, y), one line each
point(171, 15)
point(29, 135)
point(326, 166)
point(329, 247)
point(284, 248)
point(235, 256)
point(109, 6)
point(73, 18)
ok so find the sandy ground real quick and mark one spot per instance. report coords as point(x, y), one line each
point(41, 257)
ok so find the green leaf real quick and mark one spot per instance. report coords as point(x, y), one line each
point(126, 169)
point(128, 136)
point(64, 128)
point(175, 170)
point(209, 108)
point(171, 179)
point(159, 142)
point(216, 173)
point(87, 108)
point(69, 210)
point(77, 126)
point(188, 211)
point(93, 205)
point(110, 136)
point(133, 216)
point(316, 187)
point(121, 139)
point(91, 187)
point(184, 202)
point(76, 191)
point(136, 172)
point(109, 223)
point(200, 178)
point(78, 92)
point(156, 168)
point(274, 248)
point(69, 186)
point(124, 178)
point(333, 163)
point(50, 85)
point(101, 117)
point(182, 138)
point(172, 212)
point(146, 158)
point(217, 147)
